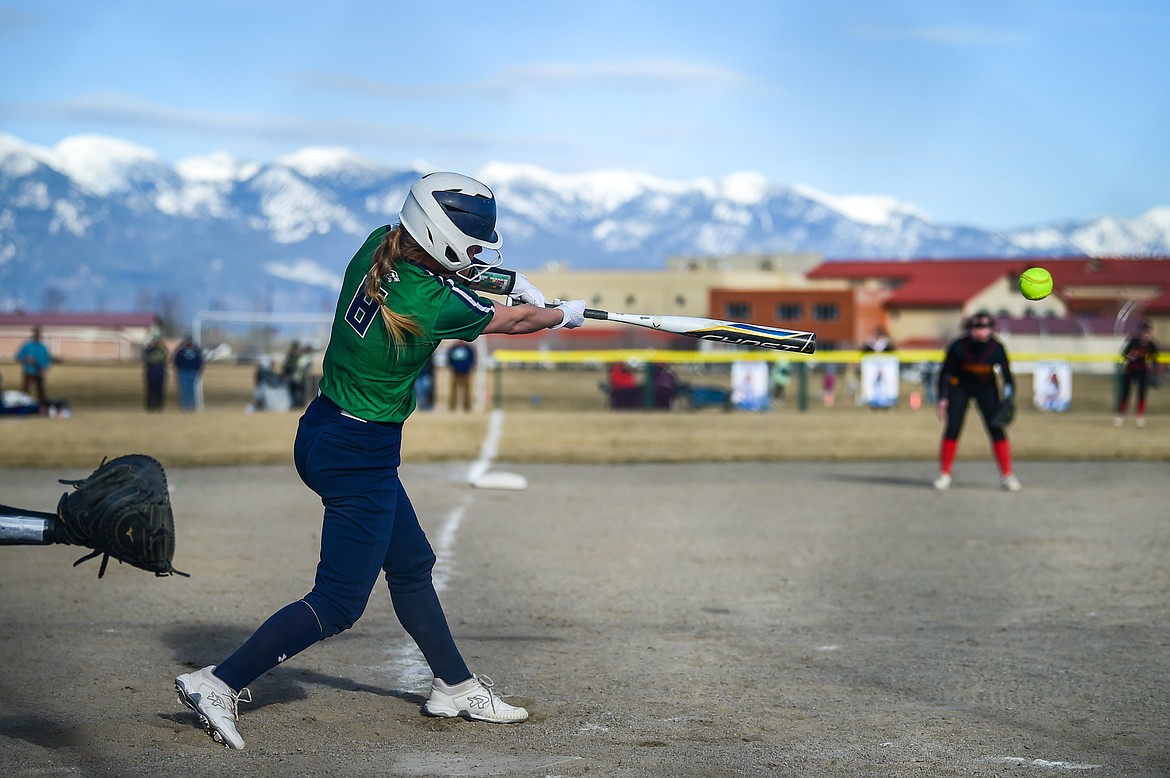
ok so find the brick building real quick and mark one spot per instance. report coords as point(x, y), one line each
point(922, 303)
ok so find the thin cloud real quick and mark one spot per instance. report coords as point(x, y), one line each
point(122, 111)
point(394, 90)
point(645, 73)
point(945, 36)
point(514, 81)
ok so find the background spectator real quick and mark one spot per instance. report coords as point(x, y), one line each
point(35, 362)
point(271, 392)
point(879, 342)
point(188, 366)
point(781, 377)
point(424, 386)
point(829, 386)
point(298, 376)
point(461, 359)
point(154, 364)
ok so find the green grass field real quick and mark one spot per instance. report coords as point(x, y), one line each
point(554, 416)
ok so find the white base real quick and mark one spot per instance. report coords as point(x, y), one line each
point(499, 480)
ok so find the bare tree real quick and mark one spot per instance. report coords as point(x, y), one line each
point(55, 298)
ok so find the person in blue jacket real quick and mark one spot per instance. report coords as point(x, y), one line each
point(188, 361)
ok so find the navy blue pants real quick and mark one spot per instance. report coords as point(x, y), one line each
point(369, 528)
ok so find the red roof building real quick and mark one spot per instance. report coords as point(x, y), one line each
point(922, 302)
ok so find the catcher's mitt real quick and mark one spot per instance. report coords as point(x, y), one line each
point(122, 510)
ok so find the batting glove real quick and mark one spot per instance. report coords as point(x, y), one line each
point(523, 291)
point(574, 311)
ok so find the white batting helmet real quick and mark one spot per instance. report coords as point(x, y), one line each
point(450, 215)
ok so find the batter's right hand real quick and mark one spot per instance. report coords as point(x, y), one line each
point(574, 312)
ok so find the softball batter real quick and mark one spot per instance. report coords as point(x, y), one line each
point(403, 293)
point(969, 372)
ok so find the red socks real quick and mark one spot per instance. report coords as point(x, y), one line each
point(1003, 455)
point(949, 448)
point(946, 455)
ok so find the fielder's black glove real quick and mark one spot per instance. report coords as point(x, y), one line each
point(1005, 415)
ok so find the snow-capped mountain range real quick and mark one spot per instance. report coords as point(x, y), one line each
point(97, 223)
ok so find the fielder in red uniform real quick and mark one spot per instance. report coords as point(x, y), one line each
point(1141, 360)
point(976, 368)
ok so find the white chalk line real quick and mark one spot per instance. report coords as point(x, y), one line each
point(404, 657)
point(490, 447)
point(1042, 763)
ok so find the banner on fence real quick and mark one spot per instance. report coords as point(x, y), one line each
point(1052, 386)
point(879, 381)
point(749, 386)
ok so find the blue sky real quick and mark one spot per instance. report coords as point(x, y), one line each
point(996, 113)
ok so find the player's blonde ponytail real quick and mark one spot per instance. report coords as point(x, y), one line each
point(396, 243)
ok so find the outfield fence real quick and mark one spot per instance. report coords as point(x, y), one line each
point(918, 369)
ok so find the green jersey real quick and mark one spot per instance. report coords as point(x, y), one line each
point(364, 373)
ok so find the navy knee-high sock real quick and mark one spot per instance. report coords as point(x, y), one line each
point(287, 633)
point(421, 615)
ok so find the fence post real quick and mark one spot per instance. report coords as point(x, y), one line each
point(802, 386)
point(498, 381)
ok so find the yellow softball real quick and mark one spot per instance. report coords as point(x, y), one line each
point(1035, 283)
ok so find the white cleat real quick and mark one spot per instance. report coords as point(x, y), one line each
point(943, 482)
point(472, 699)
point(1118, 421)
point(1140, 421)
point(1011, 483)
point(215, 703)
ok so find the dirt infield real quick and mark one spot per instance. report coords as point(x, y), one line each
point(683, 620)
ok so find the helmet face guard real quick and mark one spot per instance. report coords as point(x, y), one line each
point(453, 218)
